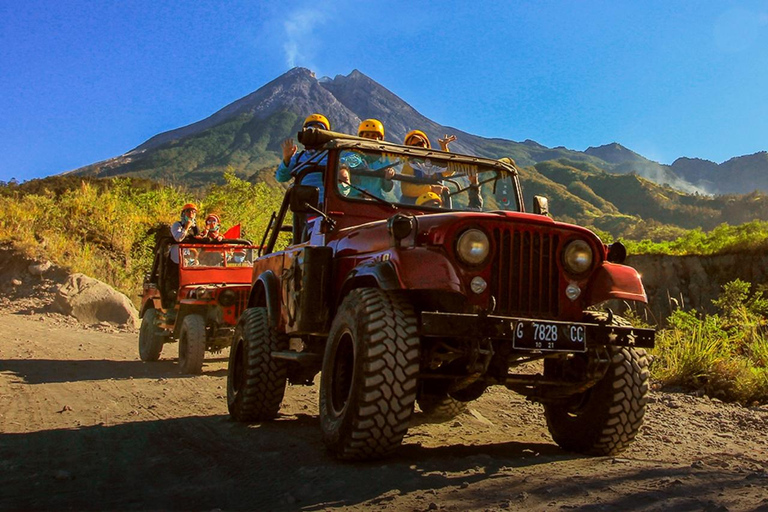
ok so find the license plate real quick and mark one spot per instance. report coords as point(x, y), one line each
point(550, 336)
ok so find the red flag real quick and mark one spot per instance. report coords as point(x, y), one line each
point(233, 232)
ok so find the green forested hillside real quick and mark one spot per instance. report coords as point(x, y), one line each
point(73, 219)
point(105, 227)
point(631, 206)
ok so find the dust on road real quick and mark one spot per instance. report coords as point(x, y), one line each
point(85, 425)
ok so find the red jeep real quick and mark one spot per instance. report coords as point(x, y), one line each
point(196, 302)
point(431, 288)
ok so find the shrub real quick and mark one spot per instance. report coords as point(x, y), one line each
point(103, 228)
point(725, 354)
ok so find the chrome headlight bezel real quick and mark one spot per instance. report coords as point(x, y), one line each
point(473, 247)
point(578, 257)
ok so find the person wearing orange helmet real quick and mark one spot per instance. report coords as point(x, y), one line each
point(411, 192)
point(292, 157)
point(212, 228)
point(182, 230)
point(185, 228)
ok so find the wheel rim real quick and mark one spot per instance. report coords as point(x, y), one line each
point(343, 369)
point(578, 403)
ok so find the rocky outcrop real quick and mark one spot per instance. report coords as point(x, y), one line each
point(693, 282)
point(92, 301)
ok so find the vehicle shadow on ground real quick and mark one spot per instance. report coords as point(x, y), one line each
point(211, 462)
point(46, 371)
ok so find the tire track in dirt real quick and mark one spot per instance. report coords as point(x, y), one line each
point(139, 435)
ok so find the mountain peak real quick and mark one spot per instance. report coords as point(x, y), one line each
point(613, 153)
point(298, 71)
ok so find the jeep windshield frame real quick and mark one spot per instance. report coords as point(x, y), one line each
point(424, 179)
point(490, 172)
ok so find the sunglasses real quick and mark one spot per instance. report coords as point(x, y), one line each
point(315, 124)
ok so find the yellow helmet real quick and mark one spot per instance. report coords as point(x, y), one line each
point(372, 126)
point(416, 134)
point(317, 118)
point(429, 199)
point(508, 161)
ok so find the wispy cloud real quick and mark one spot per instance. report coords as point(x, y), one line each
point(301, 38)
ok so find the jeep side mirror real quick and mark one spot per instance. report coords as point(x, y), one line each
point(540, 205)
point(304, 199)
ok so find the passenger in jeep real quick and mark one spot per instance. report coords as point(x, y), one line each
point(292, 158)
point(185, 229)
point(371, 129)
point(182, 230)
point(429, 199)
point(212, 228)
point(413, 191)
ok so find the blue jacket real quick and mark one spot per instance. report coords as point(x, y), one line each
point(314, 179)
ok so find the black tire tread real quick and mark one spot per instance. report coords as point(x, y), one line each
point(390, 365)
point(192, 350)
point(150, 343)
point(440, 408)
point(266, 377)
point(618, 420)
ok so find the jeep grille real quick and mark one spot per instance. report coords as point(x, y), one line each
point(242, 301)
point(525, 278)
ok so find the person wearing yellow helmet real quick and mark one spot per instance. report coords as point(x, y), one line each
point(359, 163)
point(371, 129)
point(423, 170)
point(429, 199)
point(292, 157)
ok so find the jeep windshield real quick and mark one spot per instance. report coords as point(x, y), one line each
point(202, 256)
point(434, 182)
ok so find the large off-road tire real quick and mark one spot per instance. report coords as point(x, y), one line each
point(255, 381)
point(370, 374)
point(440, 408)
point(192, 344)
point(604, 419)
point(150, 341)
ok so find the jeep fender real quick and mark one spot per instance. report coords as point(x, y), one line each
point(405, 273)
point(148, 304)
point(379, 274)
point(186, 309)
point(614, 281)
point(265, 292)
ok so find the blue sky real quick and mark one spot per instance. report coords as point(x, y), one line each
point(83, 81)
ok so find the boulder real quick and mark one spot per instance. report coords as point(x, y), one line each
point(92, 301)
point(38, 269)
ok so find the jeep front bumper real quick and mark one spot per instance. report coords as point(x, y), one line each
point(535, 334)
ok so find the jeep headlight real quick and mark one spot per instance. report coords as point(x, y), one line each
point(473, 247)
point(227, 298)
point(577, 257)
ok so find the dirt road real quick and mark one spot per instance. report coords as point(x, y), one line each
point(85, 425)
